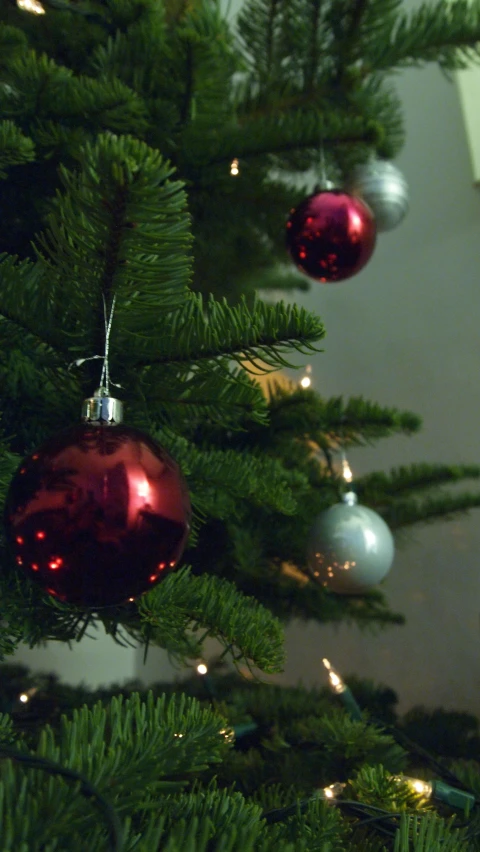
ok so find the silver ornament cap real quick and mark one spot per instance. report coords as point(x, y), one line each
point(350, 548)
point(383, 187)
point(102, 409)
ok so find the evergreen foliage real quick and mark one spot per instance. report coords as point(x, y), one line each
point(118, 123)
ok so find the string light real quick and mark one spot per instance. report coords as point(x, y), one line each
point(234, 167)
point(202, 669)
point(332, 791)
point(32, 6)
point(416, 785)
point(228, 734)
point(346, 470)
point(336, 681)
point(25, 697)
point(306, 380)
point(340, 688)
point(440, 791)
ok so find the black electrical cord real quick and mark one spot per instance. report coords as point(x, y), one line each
point(86, 788)
point(279, 814)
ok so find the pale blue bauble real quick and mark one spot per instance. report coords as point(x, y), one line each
point(350, 548)
point(382, 185)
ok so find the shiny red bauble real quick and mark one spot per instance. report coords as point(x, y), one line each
point(331, 235)
point(98, 515)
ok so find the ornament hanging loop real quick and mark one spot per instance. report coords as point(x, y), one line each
point(325, 183)
point(105, 377)
point(102, 409)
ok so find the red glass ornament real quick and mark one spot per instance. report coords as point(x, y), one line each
point(331, 235)
point(98, 515)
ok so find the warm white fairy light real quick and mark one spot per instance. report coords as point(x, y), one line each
point(202, 669)
point(32, 6)
point(306, 380)
point(336, 681)
point(416, 785)
point(440, 791)
point(228, 734)
point(25, 697)
point(234, 168)
point(346, 471)
point(333, 790)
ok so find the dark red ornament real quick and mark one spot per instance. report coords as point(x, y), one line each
point(331, 235)
point(98, 515)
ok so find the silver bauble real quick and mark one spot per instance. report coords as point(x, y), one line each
point(350, 547)
point(385, 190)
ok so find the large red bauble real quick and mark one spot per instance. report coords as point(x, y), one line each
point(331, 235)
point(98, 515)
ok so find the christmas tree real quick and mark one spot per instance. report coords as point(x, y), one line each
point(150, 153)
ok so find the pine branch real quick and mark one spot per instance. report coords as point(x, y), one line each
point(446, 33)
point(26, 304)
point(121, 226)
point(129, 750)
point(287, 598)
point(261, 332)
point(402, 513)
point(376, 487)
point(15, 147)
point(284, 129)
point(13, 43)
point(44, 90)
point(237, 824)
point(182, 397)
point(335, 422)
point(213, 604)
point(431, 833)
point(220, 479)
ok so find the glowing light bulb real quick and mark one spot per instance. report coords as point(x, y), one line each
point(306, 381)
point(346, 471)
point(32, 6)
point(333, 790)
point(25, 697)
point(202, 669)
point(234, 168)
point(423, 788)
point(228, 734)
point(336, 681)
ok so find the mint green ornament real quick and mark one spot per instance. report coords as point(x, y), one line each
point(350, 548)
